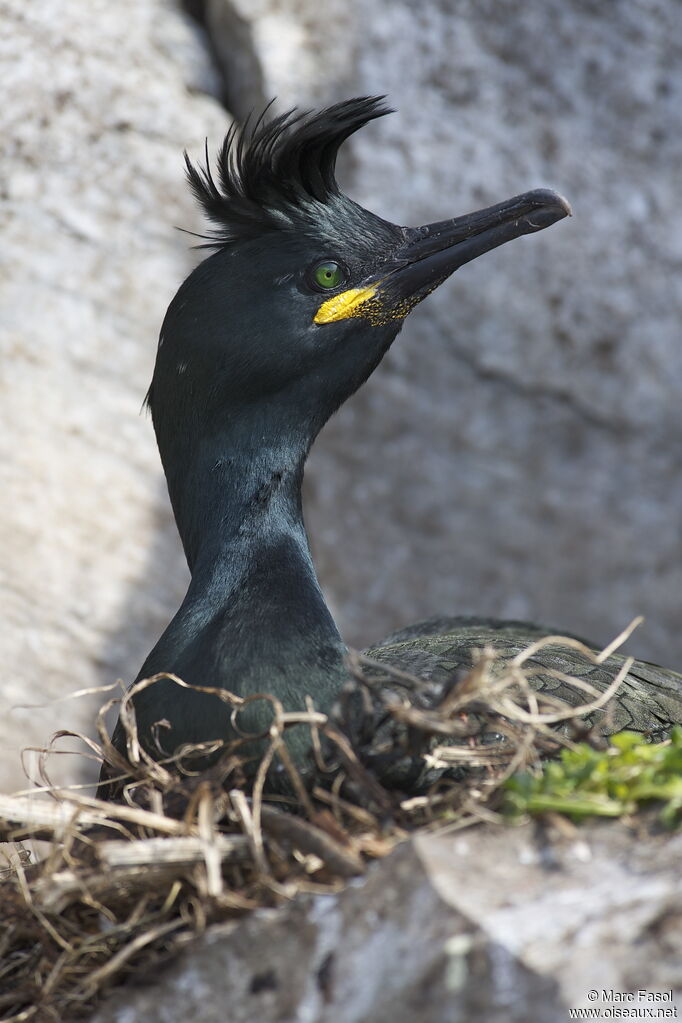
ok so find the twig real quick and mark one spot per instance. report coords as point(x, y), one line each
point(310, 839)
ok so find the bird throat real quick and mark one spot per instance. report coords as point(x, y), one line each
point(254, 618)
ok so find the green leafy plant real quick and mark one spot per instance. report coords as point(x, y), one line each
point(611, 783)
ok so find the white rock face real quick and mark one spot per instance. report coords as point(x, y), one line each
point(98, 107)
point(517, 454)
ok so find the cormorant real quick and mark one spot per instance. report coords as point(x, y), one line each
point(301, 298)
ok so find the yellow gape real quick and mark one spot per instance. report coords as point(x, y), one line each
point(348, 303)
point(369, 303)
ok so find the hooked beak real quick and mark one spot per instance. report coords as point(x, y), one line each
point(431, 253)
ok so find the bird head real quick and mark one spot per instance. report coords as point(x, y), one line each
point(305, 290)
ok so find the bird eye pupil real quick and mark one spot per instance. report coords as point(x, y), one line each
point(328, 274)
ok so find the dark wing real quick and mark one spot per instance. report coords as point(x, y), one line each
point(649, 700)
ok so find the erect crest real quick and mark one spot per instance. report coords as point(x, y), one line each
point(269, 173)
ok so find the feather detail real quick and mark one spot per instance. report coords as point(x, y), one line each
point(271, 172)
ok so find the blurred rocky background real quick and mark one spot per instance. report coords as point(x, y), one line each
point(517, 453)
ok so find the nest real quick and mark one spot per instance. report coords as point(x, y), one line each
point(124, 886)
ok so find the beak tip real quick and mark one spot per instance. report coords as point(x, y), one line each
point(565, 204)
point(547, 198)
point(543, 207)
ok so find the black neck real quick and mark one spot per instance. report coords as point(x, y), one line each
point(230, 492)
point(254, 605)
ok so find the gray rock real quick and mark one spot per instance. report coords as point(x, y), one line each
point(98, 107)
point(517, 452)
point(491, 924)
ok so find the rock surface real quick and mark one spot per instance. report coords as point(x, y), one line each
point(99, 108)
point(517, 454)
point(491, 924)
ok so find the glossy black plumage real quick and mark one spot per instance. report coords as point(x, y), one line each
point(253, 358)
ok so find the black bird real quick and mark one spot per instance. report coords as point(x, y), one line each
point(304, 293)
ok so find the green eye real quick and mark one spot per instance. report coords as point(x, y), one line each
point(328, 275)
